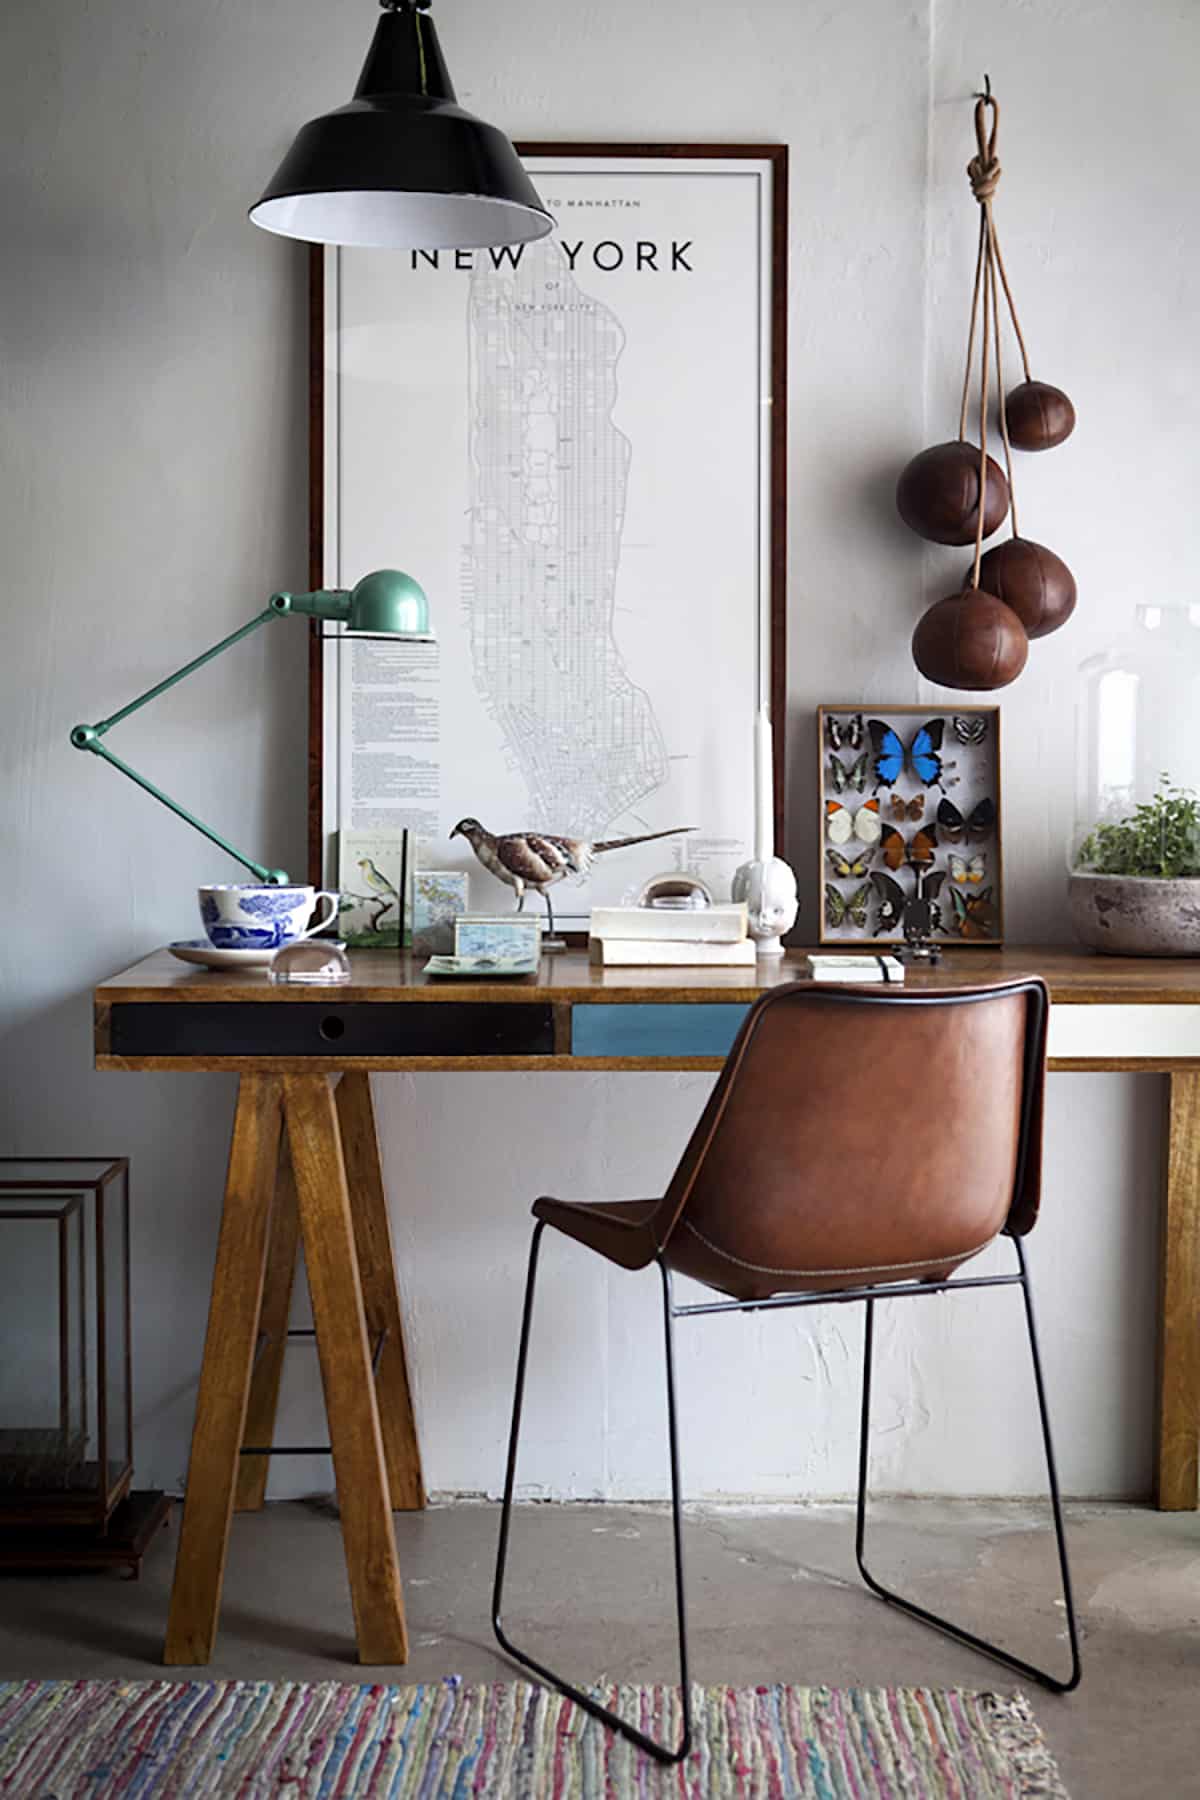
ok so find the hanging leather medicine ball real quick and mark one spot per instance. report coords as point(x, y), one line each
point(937, 494)
point(970, 640)
point(1039, 416)
point(1035, 583)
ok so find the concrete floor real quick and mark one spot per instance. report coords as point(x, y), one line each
point(774, 1595)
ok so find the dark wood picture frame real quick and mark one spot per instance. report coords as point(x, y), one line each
point(777, 156)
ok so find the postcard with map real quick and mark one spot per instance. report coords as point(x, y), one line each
point(439, 898)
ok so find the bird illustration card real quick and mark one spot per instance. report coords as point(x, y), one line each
point(374, 869)
point(439, 898)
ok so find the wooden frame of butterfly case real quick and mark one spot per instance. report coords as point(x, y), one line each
point(970, 897)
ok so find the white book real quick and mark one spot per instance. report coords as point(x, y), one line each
point(704, 925)
point(856, 968)
point(647, 953)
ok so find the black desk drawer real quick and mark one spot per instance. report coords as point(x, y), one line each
point(308, 1028)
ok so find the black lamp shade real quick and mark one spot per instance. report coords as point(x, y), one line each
point(403, 166)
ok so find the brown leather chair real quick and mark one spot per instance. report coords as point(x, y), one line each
point(759, 1208)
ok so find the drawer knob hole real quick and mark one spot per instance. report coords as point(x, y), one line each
point(333, 1028)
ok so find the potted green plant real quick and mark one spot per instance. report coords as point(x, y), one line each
point(1134, 887)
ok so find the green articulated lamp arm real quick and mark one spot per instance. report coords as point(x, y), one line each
point(386, 603)
point(91, 737)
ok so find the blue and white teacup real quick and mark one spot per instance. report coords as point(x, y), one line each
point(252, 917)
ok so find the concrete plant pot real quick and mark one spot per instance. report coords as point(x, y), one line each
point(1136, 915)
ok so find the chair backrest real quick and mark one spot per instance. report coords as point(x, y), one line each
point(854, 1128)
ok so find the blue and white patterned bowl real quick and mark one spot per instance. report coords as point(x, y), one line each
point(254, 917)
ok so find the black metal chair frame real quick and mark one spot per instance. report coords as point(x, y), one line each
point(781, 1303)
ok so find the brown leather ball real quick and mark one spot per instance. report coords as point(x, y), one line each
point(1037, 584)
point(937, 494)
point(1039, 416)
point(970, 640)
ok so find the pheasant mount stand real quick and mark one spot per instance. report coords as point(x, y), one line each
point(978, 638)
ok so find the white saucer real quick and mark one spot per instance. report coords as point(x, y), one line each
point(199, 950)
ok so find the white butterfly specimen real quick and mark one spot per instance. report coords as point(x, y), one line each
point(841, 824)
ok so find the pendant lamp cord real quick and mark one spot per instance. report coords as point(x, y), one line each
point(416, 8)
point(983, 172)
point(421, 54)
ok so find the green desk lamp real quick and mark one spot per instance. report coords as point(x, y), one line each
point(385, 604)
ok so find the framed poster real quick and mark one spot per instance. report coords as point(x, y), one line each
point(910, 817)
point(577, 447)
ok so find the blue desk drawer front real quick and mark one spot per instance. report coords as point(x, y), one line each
point(649, 1030)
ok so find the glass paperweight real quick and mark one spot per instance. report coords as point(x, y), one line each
point(1134, 852)
point(675, 892)
point(313, 962)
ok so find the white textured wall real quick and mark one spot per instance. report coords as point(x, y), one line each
point(152, 492)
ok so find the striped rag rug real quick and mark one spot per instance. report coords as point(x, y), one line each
point(450, 1740)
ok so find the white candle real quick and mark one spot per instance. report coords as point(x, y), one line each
point(764, 789)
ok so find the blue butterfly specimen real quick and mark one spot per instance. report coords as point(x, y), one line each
point(921, 756)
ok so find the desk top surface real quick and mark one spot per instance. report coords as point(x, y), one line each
point(1074, 976)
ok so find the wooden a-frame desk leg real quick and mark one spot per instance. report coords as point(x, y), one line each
point(381, 1305)
point(331, 1260)
point(225, 1373)
point(328, 1232)
point(271, 1338)
point(381, 1300)
point(1177, 1475)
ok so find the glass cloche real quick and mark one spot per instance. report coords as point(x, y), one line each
point(1134, 880)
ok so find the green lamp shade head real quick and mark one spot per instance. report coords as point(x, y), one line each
point(403, 166)
point(389, 602)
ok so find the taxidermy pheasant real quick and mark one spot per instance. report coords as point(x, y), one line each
point(535, 859)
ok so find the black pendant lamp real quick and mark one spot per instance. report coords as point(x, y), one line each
point(403, 166)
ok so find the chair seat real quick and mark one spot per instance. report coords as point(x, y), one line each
point(622, 1231)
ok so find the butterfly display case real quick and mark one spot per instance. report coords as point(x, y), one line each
point(910, 824)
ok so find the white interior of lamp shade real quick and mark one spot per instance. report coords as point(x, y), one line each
point(384, 219)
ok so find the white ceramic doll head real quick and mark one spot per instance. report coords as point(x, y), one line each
point(769, 890)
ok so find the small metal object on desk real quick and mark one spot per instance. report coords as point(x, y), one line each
point(922, 917)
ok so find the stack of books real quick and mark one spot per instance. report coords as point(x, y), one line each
point(626, 937)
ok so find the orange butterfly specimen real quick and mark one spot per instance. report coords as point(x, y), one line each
point(908, 809)
point(918, 850)
point(967, 869)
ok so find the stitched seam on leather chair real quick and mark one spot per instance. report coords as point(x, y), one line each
point(866, 1269)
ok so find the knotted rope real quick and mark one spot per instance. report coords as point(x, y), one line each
point(983, 172)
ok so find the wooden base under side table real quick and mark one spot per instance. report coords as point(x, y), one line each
point(326, 1192)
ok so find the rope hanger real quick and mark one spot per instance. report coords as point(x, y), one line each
point(984, 172)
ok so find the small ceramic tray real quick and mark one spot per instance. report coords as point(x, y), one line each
point(199, 950)
point(488, 966)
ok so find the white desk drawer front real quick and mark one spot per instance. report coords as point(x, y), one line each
point(1101, 1033)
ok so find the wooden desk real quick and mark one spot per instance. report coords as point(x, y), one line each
point(285, 1042)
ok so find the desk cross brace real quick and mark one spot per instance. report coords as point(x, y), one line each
point(303, 1331)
